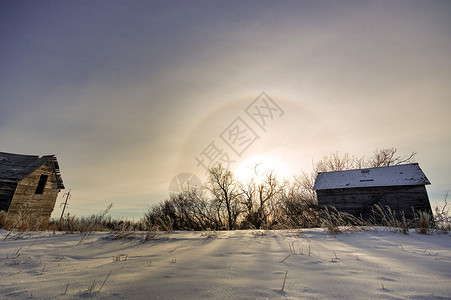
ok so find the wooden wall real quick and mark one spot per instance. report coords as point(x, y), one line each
point(6, 192)
point(26, 188)
point(398, 198)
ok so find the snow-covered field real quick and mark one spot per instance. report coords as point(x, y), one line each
point(372, 264)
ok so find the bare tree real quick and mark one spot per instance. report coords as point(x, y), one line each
point(335, 162)
point(266, 191)
point(387, 157)
point(224, 188)
point(248, 193)
point(297, 206)
point(259, 200)
point(381, 158)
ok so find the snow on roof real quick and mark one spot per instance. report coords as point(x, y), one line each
point(409, 174)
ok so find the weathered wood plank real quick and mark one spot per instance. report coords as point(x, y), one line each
point(25, 193)
point(398, 198)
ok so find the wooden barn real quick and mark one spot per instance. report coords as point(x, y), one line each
point(400, 187)
point(29, 181)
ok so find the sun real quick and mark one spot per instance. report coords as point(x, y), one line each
point(257, 166)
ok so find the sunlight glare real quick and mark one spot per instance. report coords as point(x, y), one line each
point(257, 166)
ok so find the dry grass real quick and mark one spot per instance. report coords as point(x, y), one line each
point(209, 234)
point(26, 219)
point(72, 224)
point(335, 221)
point(423, 222)
point(330, 218)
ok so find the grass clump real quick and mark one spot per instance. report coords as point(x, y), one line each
point(423, 222)
point(334, 221)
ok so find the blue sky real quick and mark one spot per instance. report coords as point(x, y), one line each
point(128, 93)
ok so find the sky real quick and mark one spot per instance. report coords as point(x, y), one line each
point(130, 95)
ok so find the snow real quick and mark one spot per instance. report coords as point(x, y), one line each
point(371, 264)
point(408, 174)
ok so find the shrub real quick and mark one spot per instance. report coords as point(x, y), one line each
point(442, 219)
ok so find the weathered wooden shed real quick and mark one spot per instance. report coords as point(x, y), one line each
point(401, 187)
point(29, 181)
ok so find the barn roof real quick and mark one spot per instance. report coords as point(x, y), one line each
point(409, 174)
point(14, 167)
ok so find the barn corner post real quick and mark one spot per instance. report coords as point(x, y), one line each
point(29, 187)
point(400, 188)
